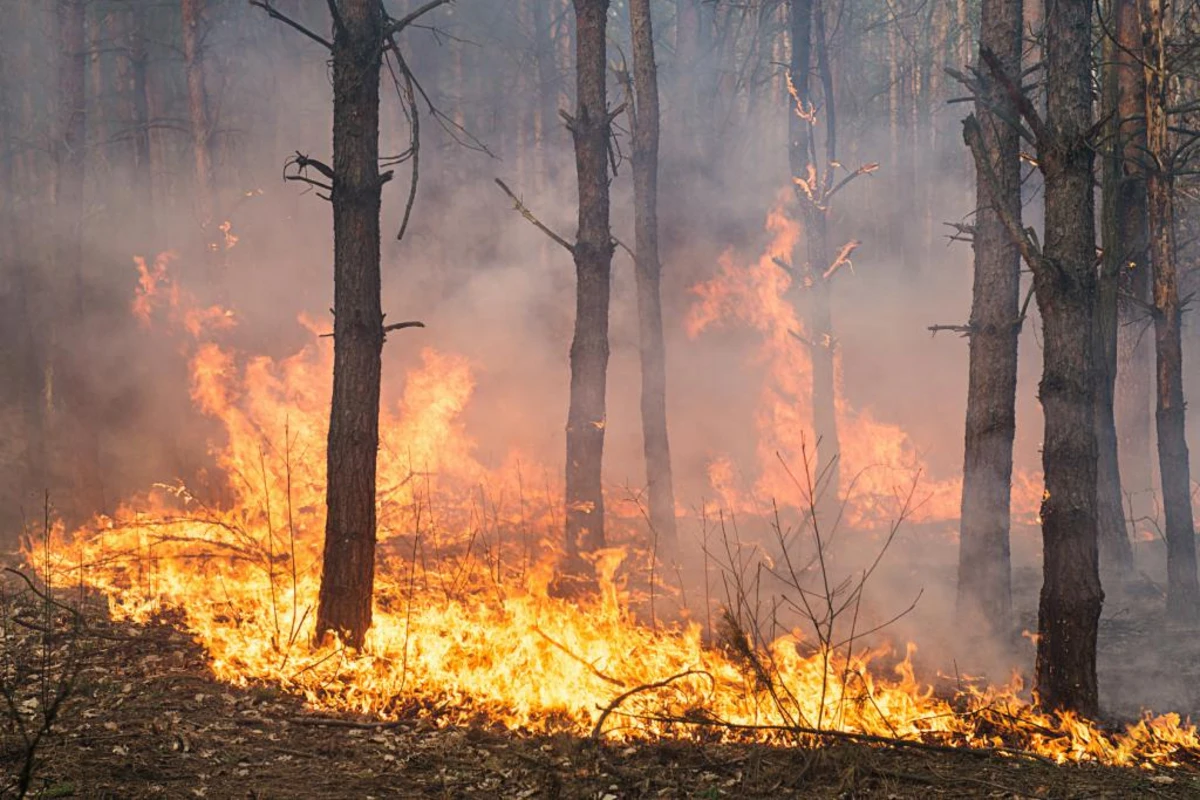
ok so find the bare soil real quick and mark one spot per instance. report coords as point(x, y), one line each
point(147, 719)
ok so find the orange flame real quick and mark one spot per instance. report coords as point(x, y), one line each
point(463, 621)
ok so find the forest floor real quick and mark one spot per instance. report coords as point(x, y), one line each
point(145, 718)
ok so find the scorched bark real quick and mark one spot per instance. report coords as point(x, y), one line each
point(347, 582)
point(1065, 283)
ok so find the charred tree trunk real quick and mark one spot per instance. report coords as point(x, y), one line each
point(1183, 591)
point(593, 266)
point(1116, 554)
point(648, 268)
point(199, 123)
point(1071, 597)
point(1130, 244)
point(347, 581)
point(818, 260)
point(984, 565)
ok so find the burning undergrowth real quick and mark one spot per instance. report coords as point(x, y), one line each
point(465, 623)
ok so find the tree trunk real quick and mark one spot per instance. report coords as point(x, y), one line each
point(593, 266)
point(648, 268)
point(1135, 356)
point(204, 192)
point(816, 287)
point(349, 559)
point(984, 566)
point(1183, 591)
point(1071, 597)
point(1116, 554)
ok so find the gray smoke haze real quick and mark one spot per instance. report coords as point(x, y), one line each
point(489, 286)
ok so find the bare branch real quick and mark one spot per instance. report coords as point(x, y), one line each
point(537, 223)
point(973, 136)
point(400, 24)
point(399, 326)
point(965, 330)
point(1018, 98)
point(274, 13)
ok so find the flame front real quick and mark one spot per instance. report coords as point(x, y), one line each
point(464, 624)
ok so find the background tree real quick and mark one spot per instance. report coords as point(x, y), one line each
point(194, 27)
point(984, 561)
point(815, 183)
point(592, 252)
point(644, 114)
point(1126, 243)
point(1116, 554)
point(1183, 590)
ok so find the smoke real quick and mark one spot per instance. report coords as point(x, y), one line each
point(489, 286)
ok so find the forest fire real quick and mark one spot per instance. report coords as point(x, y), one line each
point(879, 464)
point(465, 626)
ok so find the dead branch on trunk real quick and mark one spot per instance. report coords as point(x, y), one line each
point(524, 211)
point(276, 14)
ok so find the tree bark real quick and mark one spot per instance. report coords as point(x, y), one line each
point(198, 118)
point(1183, 590)
point(984, 561)
point(593, 266)
point(1065, 283)
point(648, 268)
point(347, 582)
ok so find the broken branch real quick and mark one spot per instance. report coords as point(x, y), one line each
point(537, 223)
point(274, 13)
point(1017, 97)
point(400, 24)
point(973, 136)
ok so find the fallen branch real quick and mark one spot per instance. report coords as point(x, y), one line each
point(334, 722)
point(598, 728)
point(867, 738)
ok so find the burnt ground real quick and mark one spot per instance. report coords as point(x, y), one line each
point(145, 718)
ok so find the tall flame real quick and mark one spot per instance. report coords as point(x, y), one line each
point(878, 461)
